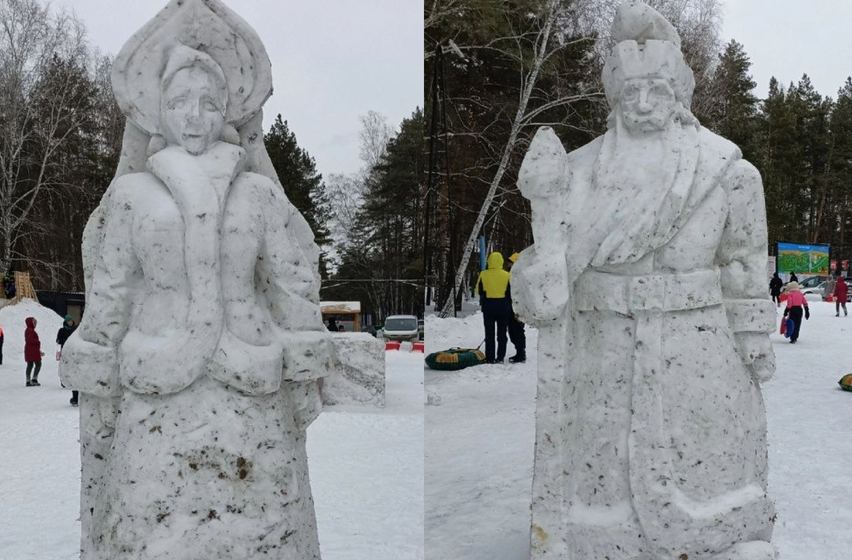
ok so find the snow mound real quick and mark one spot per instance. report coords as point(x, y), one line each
point(13, 321)
point(461, 332)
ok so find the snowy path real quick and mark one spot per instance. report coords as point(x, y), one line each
point(479, 446)
point(366, 466)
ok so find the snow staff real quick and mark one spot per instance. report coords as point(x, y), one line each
point(647, 281)
point(1, 346)
point(775, 286)
point(797, 306)
point(495, 299)
point(517, 336)
point(32, 352)
point(199, 357)
point(68, 327)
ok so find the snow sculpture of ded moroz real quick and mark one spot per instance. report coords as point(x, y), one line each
point(647, 282)
point(202, 346)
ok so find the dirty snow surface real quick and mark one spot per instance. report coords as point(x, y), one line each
point(366, 465)
point(480, 430)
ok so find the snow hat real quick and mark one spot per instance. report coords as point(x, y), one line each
point(791, 286)
point(648, 46)
point(513, 258)
point(182, 57)
point(206, 26)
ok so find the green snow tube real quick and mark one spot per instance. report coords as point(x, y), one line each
point(455, 358)
point(846, 382)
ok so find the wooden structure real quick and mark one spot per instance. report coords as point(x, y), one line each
point(23, 287)
point(343, 313)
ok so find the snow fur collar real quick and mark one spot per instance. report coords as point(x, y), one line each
point(200, 187)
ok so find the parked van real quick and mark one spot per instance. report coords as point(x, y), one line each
point(401, 327)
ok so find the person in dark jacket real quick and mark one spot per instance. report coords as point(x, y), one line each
point(793, 277)
point(32, 352)
point(495, 299)
point(516, 328)
point(775, 286)
point(68, 327)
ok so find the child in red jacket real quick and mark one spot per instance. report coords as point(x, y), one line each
point(32, 352)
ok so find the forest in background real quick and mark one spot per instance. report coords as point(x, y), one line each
point(496, 71)
point(60, 141)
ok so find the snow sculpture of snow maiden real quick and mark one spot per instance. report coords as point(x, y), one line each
point(647, 281)
point(199, 355)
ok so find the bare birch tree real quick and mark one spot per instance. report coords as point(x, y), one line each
point(36, 117)
point(544, 45)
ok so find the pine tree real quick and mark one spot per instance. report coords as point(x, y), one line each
point(734, 116)
point(841, 170)
point(302, 182)
point(382, 263)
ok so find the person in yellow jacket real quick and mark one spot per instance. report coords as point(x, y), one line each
point(495, 299)
point(516, 328)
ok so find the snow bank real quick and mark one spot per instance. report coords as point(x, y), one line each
point(12, 319)
point(479, 446)
point(366, 466)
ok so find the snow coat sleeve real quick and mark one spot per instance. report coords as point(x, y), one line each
point(742, 254)
point(289, 279)
point(89, 360)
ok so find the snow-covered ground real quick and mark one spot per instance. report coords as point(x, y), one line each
point(480, 433)
point(366, 465)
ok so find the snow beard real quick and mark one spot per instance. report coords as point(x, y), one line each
point(642, 184)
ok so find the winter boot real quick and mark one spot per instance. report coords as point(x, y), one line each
point(35, 382)
point(518, 359)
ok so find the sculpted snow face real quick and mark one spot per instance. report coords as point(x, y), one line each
point(647, 104)
point(202, 346)
point(647, 282)
point(193, 112)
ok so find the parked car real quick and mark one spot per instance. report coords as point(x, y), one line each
point(815, 292)
point(812, 282)
point(401, 327)
point(825, 289)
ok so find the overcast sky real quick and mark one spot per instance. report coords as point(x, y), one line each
point(332, 60)
point(787, 38)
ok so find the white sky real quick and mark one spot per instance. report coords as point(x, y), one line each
point(332, 60)
point(787, 38)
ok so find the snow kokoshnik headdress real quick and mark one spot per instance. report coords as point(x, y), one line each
point(166, 44)
point(647, 46)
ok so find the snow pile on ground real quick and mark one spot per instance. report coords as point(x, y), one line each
point(366, 464)
point(480, 433)
point(13, 320)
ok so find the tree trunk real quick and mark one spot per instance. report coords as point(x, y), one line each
point(529, 84)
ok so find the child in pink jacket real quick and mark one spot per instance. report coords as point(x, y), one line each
point(796, 304)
